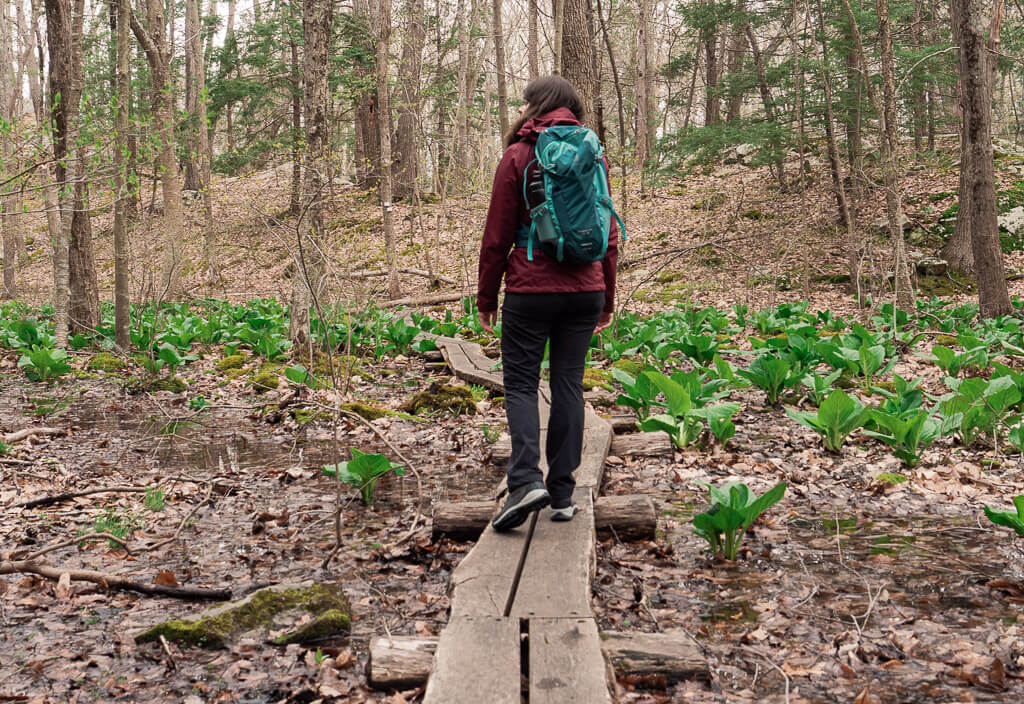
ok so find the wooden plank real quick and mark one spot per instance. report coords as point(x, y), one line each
point(481, 583)
point(477, 660)
point(566, 662)
point(400, 662)
point(642, 445)
point(673, 655)
point(597, 439)
point(559, 566)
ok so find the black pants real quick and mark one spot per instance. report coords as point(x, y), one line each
point(529, 320)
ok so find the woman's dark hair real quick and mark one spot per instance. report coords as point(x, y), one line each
point(544, 94)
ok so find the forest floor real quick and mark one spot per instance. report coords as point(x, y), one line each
point(852, 589)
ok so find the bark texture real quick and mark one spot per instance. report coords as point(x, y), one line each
point(409, 105)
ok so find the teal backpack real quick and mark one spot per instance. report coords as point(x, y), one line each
point(571, 209)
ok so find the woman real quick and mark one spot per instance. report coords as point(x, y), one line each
point(546, 303)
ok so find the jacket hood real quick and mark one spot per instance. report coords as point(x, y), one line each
point(534, 126)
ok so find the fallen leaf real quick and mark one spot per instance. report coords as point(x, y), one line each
point(64, 587)
point(165, 579)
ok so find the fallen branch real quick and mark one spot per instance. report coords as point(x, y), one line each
point(67, 543)
point(112, 581)
point(57, 498)
point(405, 270)
point(11, 438)
point(423, 300)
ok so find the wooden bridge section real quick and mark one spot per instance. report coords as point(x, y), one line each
point(520, 601)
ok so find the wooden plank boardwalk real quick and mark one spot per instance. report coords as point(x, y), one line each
point(520, 601)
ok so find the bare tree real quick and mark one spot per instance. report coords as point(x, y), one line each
point(153, 39)
point(643, 91)
point(384, 115)
point(195, 91)
point(577, 61)
point(308, 281)
point(406, 160)
point(499, 66)
point(121, 10)
point(976, 215)
point(531, 40)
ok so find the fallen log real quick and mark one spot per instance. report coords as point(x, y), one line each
point(622, 423)
point(674, 656)
point(642, 445)
point(423, 300)
point(403, 662)
point(655, 444)
point(113, 581)
point(404, 270)
point(627, 517)
point(400, 662)
point(11, 438)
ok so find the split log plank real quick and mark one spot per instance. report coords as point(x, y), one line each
point(566, 662)
point(480, 584)
point(597, 439)
point(559, 566)
point(629, 517)
point(622, 423)
point(642, 445)
point(400, 662)
point(477, 660)
point(674, 656)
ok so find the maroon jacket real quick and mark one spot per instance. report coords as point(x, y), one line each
point(500, 257)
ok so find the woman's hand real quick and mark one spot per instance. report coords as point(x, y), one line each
point(603, 323)
point(487, 320)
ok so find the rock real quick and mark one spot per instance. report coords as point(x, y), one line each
point(932, 266)
point(281, 614)
point(881, 225)
point(1012, 220)
point(744, 150)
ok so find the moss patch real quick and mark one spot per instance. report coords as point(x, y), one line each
point(104, 362)
point(277, 608)
point(264, 381)
point(596, 379)
point(366, 410)
point(442, 397)
point(232, 361)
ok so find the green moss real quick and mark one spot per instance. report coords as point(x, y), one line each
point(137, 385)
point(366, 410)
point(264, 381)
point(82, 374)
point(104, 362)
point(892, 478)
point(232, 361)
point(442, 397)
point(950, 285)
point(945, 340)
point(596, 379)
point(308, 415)
point(669, 276)
point(215, 628)
point(629, 366)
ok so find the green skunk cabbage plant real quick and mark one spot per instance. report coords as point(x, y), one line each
point(908, 434)
point(772, 375)
point(733, 509)
point(683, 417)
point(363, 471)
point(638, 393)
point(820, 386)
point(43, 363)
point(837, 417)
point(1009, 518)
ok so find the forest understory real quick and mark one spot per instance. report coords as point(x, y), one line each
point(870, 582)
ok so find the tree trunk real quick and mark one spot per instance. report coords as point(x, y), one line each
point(712, 101)
point(200, 157)
point(977, 182)
point(122, 11)
point(154, 43)
point(767, 102)
point(737, 44)
point(887, 140)
point(643, 91)
point(294, 204)
point(60, 24)
point(410, 106)
point(307, 284)
point(855, 90)
point(558, 23)
point(578, 56)
point(499, 67)
point(368, 168)
point(384, 116)
point(917, 42)
point(623, 206)
point(532, 61)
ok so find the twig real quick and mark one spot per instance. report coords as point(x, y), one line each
point(167, 649)
point(112, 581)
point(67, 543)
point(57, 498)
point(177, 532)
point(750, 650)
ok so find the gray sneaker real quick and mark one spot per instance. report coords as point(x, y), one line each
point(519, 504)
point(564, 514)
